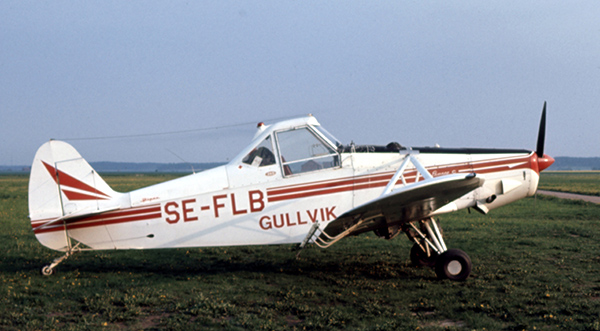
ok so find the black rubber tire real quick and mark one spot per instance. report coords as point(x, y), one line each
point(453, 264)
point(420, 259)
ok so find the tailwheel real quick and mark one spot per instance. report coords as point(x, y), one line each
point(47, 270)
point(453, 264)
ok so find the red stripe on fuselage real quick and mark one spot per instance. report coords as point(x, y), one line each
point(328, 187)
point(112, 217)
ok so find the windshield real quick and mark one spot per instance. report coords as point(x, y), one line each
point(332, 139)
point(302, 151)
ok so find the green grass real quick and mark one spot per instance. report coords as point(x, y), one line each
point(572, 182)
point(535, 267)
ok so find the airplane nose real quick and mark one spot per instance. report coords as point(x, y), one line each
point(544, 162)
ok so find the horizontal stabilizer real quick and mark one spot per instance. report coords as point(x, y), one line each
point(77, 214)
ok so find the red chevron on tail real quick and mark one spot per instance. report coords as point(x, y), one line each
point(84, 191)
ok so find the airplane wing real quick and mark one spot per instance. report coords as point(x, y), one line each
point(409, 203)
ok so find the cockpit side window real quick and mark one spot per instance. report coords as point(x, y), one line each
point(302, 151)
point(262, 155)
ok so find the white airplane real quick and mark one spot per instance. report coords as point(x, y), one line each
point(293, 184)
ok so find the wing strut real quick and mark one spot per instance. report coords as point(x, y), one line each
point(400, 173)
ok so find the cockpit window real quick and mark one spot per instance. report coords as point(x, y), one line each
point(329, 136)
point(262, 155)
point(302, 151)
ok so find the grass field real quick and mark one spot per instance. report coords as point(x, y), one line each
point(536, 266)
point(583, 182)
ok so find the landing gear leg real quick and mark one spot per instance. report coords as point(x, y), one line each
point(430, 250)
point(48, 270)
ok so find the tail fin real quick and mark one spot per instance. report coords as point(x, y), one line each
point(63, 185)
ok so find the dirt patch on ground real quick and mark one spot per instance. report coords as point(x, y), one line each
point(572, 196)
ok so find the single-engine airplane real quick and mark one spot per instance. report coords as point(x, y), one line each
point(294, 183)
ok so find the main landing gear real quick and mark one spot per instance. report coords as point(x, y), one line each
point(430, 250)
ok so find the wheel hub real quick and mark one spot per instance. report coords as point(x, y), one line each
point(454, 267)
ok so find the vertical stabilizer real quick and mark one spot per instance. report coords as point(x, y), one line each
point(63, 185)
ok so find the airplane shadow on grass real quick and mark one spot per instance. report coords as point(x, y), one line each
point(242, 261)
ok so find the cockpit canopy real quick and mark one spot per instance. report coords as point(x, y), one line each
point(298, 146)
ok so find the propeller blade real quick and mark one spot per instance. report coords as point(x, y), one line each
point(541, 134)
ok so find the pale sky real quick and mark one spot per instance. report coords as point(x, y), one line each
point(453, 73)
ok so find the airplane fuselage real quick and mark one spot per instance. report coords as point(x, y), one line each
point(240, 204)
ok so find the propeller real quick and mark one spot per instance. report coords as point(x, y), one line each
point(541, 134)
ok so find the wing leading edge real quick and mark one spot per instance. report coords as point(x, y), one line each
point(409, 203)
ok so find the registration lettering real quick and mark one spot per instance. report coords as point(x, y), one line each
point(216, 206)
point(190, 210)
